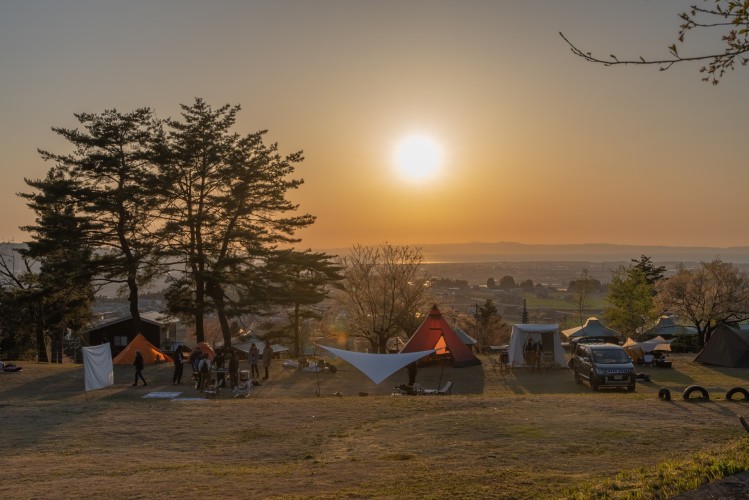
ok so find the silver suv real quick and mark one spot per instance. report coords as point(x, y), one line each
point(603, 365)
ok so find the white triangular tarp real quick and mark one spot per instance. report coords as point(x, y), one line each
point(377, 367)
point(97, 367)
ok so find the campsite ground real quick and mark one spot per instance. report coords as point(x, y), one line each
point(508, 435)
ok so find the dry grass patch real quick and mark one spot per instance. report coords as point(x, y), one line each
point(514, 435)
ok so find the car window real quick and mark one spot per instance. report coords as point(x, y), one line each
point(610, 357)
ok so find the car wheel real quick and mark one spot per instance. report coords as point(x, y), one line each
point(631, 388)
point(593, 381)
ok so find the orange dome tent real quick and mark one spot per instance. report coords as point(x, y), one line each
point(206, 349)
point(149, 352)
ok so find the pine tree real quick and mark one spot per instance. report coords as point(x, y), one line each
point(114, 172)
point(60, 293)
point(226, 212)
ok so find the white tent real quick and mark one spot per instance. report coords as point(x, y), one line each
point(377, 367)
point(97, 367)
point(547, 335)
point(655, 344)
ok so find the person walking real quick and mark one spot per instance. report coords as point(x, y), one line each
point(179, 361)
point(254, 357)
point(138, 363)
point(267, 355)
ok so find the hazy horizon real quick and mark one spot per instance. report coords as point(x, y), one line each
point(533, 144)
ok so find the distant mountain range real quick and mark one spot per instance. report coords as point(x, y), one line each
point(593, 252)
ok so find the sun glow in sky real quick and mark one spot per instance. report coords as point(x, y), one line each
point(530, 144)
point(418, 158)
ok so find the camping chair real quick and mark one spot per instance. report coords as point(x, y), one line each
point(404, 389)
point(243, 390)
point(446, 389)
point(502, 361)
point(548, 359)
point(211, 392)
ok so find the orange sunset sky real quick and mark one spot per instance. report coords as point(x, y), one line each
point(532, 144)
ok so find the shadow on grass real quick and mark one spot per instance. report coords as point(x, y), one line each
point(349, 381)
point(551, 381)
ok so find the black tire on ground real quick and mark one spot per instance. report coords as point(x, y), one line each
point(664, 394)
point(695, 388)
point(737, 390)
point(593, 381)
point(631, 388)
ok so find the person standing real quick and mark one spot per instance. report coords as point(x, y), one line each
point(412, 370)
point(179, 361)
point(234, 369)
point(138, 363)
point(254, 357)
point(267, 355)
point(204, 372)
point(218, 366)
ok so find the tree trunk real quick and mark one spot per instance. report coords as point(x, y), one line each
point(297, 342)
point(701, 338)
point(41, 345)
point(60, 341)
point(217, 295)
point(132, 286)
point(199, 307)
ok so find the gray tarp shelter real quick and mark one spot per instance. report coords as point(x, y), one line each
point(593, 328)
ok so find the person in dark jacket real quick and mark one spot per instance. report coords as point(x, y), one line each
point(138, 363)
point(267, 356)
point(234, 369)
point(254, 357)
point(412, 370)
point(179, 361)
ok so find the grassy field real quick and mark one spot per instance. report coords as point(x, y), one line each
point(500, 435)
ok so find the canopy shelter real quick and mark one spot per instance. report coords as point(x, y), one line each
point(147, 350)
point(377, 367)
point(726, 346)
point(245, 346)
point(637, 350)
point(656, 344)
point(547, 335)
point(437, 335)
point(667, 327)
point(593, 328)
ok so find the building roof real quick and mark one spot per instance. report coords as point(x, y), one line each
point(153, 317)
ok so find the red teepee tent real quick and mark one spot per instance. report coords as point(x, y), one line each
point(435, 333)
point(147, 350)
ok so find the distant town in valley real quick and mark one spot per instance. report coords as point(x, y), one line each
point(465, 276)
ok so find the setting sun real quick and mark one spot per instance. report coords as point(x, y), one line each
point(418, 157)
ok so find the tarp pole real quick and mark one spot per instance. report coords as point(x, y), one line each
point(317, 367)
point(439, 384)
